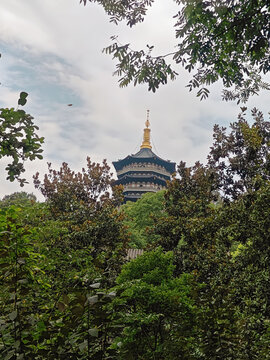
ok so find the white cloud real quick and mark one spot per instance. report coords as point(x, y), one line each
point(52, 49)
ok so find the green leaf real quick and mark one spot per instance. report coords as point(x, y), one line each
point(61, 306)
point(93, 332)
point(10, 354)
point(83, 345)
point(92, 299)
point(95, 286)
point(77, 310)
point(23, 281)
point(13, 315)
point(22, 100)
point(23, 95)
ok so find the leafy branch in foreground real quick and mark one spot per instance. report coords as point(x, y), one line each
point(217, 40)
point(140, 67)
point(18, 139)
point(133, 11)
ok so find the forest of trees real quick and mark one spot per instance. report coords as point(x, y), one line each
point(199, 291)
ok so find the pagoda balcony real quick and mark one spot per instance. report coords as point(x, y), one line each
point(144, 188)
point(143, 167)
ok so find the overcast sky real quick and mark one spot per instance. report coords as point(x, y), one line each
point(53, 50)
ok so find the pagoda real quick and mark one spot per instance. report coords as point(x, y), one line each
point(144, 171)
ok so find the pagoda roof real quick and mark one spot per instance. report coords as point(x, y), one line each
point(143, 174)
point(144, 155)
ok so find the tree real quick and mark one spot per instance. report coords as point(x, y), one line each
point(188, 202)
point(141, 216)
point(44, 289)
point(241, 159)
point(153, 310)
point(22, 285)
point(250, 270)
point(226, 39)
point(21, 198)
point(18, 139)
point(67, 192)
point(58, 255)
point(223, 239)
point(87, 205)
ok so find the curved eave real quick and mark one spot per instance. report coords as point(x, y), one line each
point(169, 166)
point(143, 175)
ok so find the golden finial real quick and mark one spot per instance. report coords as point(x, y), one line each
point(146, 134)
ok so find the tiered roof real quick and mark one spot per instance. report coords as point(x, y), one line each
point(136, 170)
point(145, 155)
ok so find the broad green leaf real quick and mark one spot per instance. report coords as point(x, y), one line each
point(13, 315)
point(93, 332)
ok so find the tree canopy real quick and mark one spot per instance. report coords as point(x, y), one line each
point(21, 198)
point(140, 217)
point(18, 139)
point(226, 39)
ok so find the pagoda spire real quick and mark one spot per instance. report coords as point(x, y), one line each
point(146, 134)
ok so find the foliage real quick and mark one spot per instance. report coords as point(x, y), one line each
point(252, 275)
point(66, 190)
point(45, 312)
point(140, 217)
point(204, 232)
point(63, 315)
point(154, 310)
point(224, 39)
point(201, 293)
point(227, 40)
point(188, 202)
point(241, 159)
point(19, 199)
point(20, 287)
point(87, 205)
point(18, 139)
